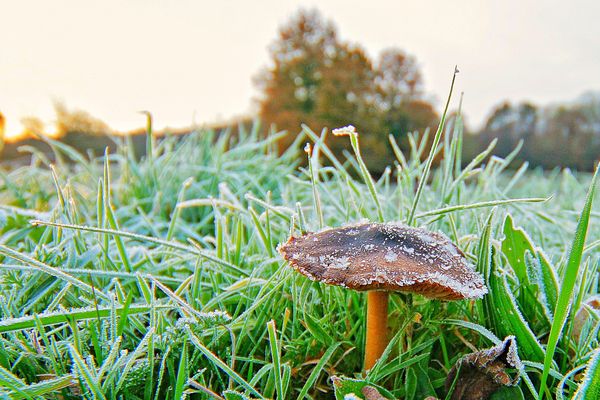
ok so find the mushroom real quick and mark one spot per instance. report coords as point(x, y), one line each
point(380, 258)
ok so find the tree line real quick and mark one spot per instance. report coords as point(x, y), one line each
point(565, 135)
point(317, 79)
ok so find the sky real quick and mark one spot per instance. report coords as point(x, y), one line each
point(194, 61)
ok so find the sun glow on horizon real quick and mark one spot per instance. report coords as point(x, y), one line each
point(32, 127)
point(17, 130)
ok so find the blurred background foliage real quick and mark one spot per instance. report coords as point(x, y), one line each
point(316, 78)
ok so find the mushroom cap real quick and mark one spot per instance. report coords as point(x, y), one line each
point(386, 256)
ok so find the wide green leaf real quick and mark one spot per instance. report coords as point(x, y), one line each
point(536, 279)
point(510, 320)
point(566, 293)
point(589, 388)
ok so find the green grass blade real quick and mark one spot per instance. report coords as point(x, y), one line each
point(64, 316)
point(589, 388)
point(43, 388)
point(137, 353)
point(491, 203)
point(86, 376)
point(182, 373)
point(57, 273)
point(314, 180)
point(275, 358)
point(570, 277)
point(364, 171)
point(312, 378)
point(483, 331)
point(175, 215)
point(511, 320)
point(126, 276)
point(221, 365)
point(432, 152)
point(172, 244)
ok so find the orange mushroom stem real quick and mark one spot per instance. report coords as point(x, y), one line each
point(377, 322)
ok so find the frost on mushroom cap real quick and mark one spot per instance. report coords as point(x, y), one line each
point(388, 256)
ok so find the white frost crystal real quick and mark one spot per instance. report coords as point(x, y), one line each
point(390, 256)
point(344, 131)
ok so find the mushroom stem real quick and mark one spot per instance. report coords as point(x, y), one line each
point(377, 315)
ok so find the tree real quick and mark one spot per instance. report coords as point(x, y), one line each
point(398, 79)
point(399, 87)
point(566, 135)
point(78, 122)
point(32, 126)
point(500, 125)
point(511, 124)
point(318, 80)
point(304, 47)
point(589, 105)
point(345, 94)
point(567, 138)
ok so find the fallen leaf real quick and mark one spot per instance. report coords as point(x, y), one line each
point(478, 375)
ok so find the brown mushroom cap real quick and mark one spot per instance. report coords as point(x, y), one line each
point(388, 256)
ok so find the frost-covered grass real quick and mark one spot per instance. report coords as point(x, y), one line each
point(160, 278)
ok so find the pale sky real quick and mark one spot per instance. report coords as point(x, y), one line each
point(191, 61)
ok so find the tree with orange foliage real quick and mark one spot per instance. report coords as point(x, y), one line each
point(399, 88)
point(318, 80)
point(291, 86)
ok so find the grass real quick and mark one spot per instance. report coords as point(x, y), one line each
point(159, 278)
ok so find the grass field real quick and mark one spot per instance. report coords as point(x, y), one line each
point(159, 278)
